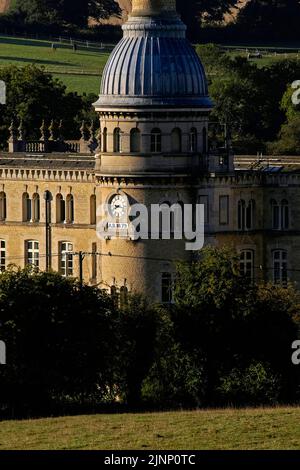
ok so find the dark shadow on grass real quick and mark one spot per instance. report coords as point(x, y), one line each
point(47, 44)
point(36, 61)
point(25, 42)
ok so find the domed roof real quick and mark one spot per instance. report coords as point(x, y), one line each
point(154, 65)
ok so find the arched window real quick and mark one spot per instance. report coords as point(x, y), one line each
point(275, 214)
point(70, 209)
point(36, 207)
point(60, 209)
point(193, 140)
point(2, 206)
point(246, 214)
point(135, 140)
point(26, 202)
point(280, 266)
point(280, 215)
point(204, 140)
point(247, 264)
point(250, 215)
point(176, 140)
point(241, 214)
point(104, 140)
point(93, 209)
point(285, 217)
point(117, 140)
point(156, 140)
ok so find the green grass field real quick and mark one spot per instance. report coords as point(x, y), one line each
point(249, 429)
point(81, 71)
point(269, 58)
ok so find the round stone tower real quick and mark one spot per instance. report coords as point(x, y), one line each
point(153, 108)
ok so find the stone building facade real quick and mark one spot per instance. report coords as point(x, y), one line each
point(152, 148)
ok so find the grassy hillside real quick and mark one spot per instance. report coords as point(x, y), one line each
point(81, 71)
point(276, 428)
point(4, 5)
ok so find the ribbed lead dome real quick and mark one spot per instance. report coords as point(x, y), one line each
point(154, 65)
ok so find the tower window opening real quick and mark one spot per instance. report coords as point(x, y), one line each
point(70, 209)
point(193, 140)
point(60, 209)
point(27, 214)
point(117, 140)
point(204, 140)
point(176, 138)
point(104, 140)
point(135, 140)
point(36, 207)
point(2, 206)
point(93, 209)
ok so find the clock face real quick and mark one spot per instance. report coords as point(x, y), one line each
point(118, 205)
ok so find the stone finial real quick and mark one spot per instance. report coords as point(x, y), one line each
point(53, 131)
point(152, 7)
point(44, 131)
point(84, 131)
point(92, 131)
point(21, 131)
point(98, 139)
point(13, 131)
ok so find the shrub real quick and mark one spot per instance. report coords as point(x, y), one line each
point(255, 385)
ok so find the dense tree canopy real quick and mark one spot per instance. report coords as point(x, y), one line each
point(196, 12)
point(74, 12)
point(58, 336)
point(224, 340)
point(34, 95)
point(277, 17)
point(253, 101)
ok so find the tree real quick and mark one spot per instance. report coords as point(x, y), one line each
point(288, 142)
point(248, 98)
point(196, 12)
point(60, 342)
point(177, 377)
point(236, 325)
point(34, 95)
point(64, 12)
point(137, 329)
point(271, 17)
